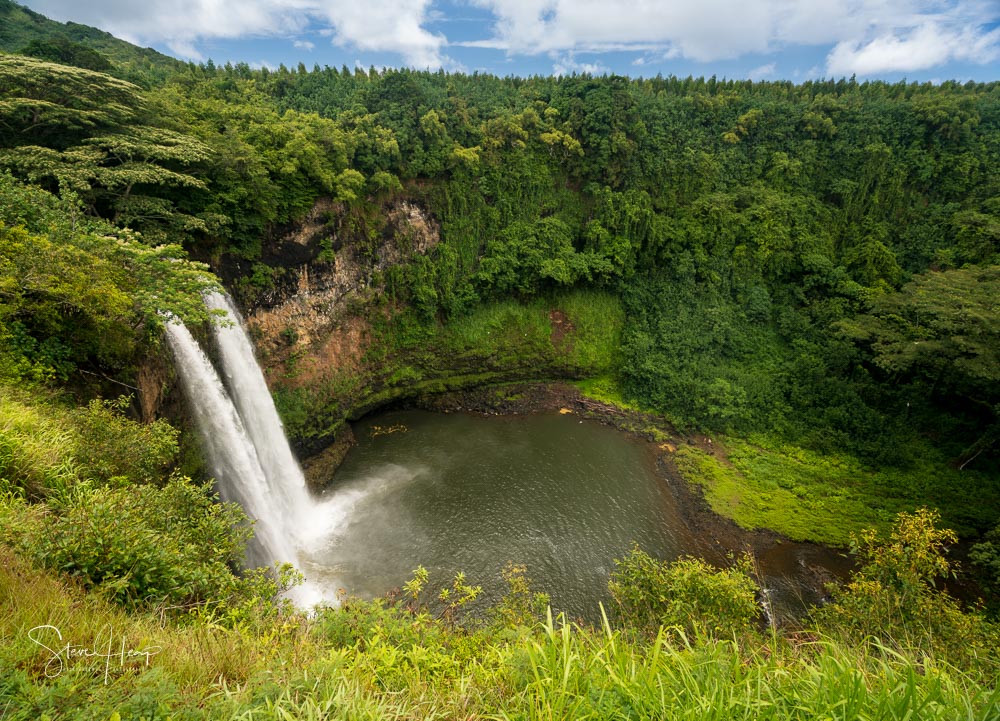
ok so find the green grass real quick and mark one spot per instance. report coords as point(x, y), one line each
point(811, 496)
point(372, 662)
point(524, 331)
point(811, 509)
point(519, 333)
point(598, 319)
point(573, 674)
point(607, 389)
point(188, 661)
point(505, 328)
point(36, 445)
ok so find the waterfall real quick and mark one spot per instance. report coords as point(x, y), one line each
point(767, 607)
point(246, 447)
point(288, 498)
point(229, 449)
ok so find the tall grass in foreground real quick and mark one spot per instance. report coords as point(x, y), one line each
point(370, 661)
point(565, 672)
point(573, 674)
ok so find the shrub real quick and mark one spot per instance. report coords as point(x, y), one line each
point(143, 546)
point(892, 598)
point(688, 595)
point(47, 449)
point(520, 606)
point(113, 445)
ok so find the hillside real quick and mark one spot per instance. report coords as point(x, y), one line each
point(20, 27)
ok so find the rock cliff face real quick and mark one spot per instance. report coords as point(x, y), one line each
point(311, 331)
point(152, 378)
point(315, 325)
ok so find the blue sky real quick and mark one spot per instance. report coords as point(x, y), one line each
point(794, 40)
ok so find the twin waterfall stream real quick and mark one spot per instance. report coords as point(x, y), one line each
point(245, 443)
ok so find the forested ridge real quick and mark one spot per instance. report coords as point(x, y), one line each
point(807, 273)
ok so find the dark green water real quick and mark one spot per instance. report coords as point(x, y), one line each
point(455, 492)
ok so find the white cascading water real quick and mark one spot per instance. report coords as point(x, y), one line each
point(247, 449)
point(288, 499)
point(230, 450)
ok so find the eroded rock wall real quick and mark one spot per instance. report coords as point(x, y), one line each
point(316, 326)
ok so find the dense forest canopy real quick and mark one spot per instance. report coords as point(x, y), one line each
point(775, 244)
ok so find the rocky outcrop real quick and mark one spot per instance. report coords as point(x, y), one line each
point(319, 468)
point(314, 325)
point(152, 379)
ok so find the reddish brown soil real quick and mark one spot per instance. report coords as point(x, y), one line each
point(562, 326)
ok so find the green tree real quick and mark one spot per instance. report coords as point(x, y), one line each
point(941, 333)
point(528, 256)
point(60, 49)
point(76, 291)
point(894, 597)
point(57, 106)
point(944, 325)
point(81, 131)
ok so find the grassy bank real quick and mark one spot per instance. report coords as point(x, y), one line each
point(764, 482)
point(370, 661)
point(827, 498)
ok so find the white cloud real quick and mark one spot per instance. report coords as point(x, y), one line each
point(385, 25)
point(375, 25)
point(764, 71)
point(925, 46)
point(707, 30)
point(303, 44)
point(185, 49)
point(866, 36)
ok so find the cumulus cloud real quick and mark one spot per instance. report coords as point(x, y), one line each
point(866, 36)
point(708, 30)
point(926, 46)
point(378, 25)
point(303, 44)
